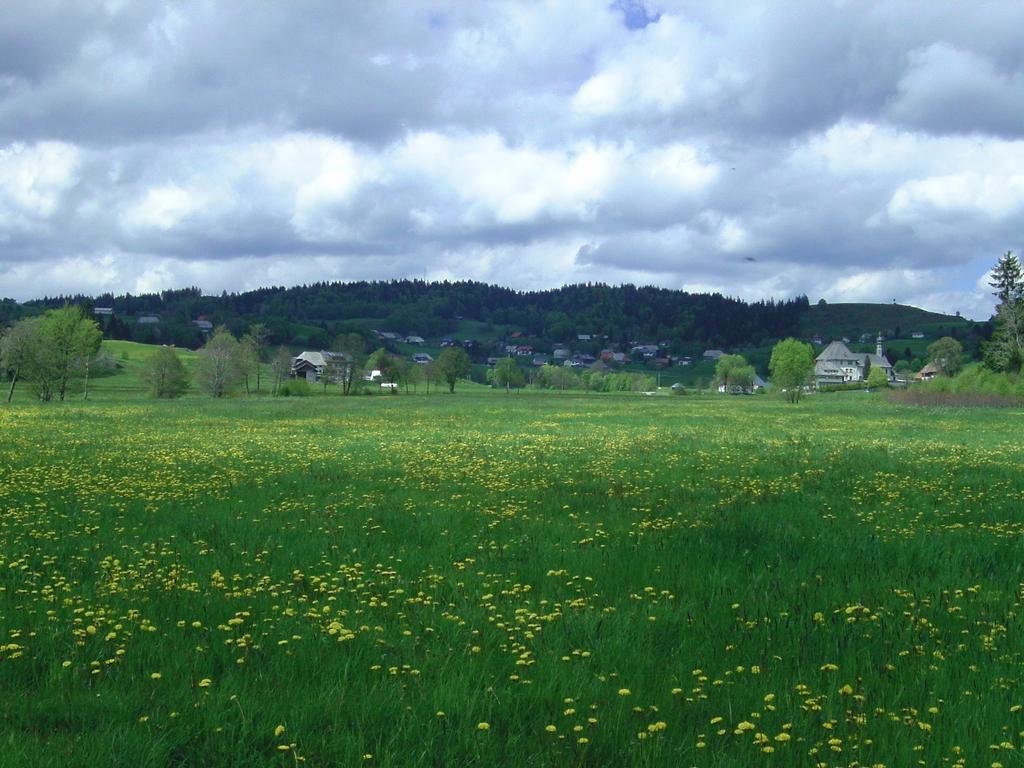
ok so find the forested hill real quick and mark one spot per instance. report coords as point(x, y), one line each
point(310, 315)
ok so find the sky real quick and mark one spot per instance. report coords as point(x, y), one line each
point(852, 151)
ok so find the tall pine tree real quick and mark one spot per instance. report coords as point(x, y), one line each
point(1005, 351)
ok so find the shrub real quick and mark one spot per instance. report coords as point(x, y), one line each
point(295, 388)
point(976, 385)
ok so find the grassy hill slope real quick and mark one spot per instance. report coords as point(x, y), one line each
point(833, 321)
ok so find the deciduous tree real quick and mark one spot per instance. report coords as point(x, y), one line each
point(51, 352)
point(791, 366)
point(354, 346)
point(70, 340)
point(453, 363)
point(20, 352)
point(733, 371)
point(256, 341)
point(165, 374)
point(877, 378)
point(281, 367)
point(947, 354)
point(217, 369)
point(508, 374)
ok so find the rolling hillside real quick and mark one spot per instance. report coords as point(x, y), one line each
point(833, 321)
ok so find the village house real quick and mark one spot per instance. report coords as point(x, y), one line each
point(647, 351)
point(928, 373)
point(312, 365)
point(838, 365)
point(422, 358)
point(756, 384)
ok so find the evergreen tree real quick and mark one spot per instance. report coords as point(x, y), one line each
point(1005, 350)
point(1007, 278)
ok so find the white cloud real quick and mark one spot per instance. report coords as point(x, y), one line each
point(34, 179)
point(659, 69)
point(994, 196)
point(957, 88)
point(755, 148)
point(163, 208)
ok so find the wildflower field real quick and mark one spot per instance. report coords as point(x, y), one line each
point(525, 580)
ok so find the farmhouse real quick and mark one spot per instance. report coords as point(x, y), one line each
point(838, 365)
point(312, 365)
point(928, 373)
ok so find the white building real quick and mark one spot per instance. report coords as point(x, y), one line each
point(838, 365)
point(311, 365)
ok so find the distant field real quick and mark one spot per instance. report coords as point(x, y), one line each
point(485, 579)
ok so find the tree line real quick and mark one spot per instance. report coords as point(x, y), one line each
point(312, 315)
point(53, 354)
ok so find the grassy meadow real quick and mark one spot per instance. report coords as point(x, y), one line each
point(525, 580)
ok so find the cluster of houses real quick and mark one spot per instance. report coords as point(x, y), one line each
point(418, 341)
point(835, 365)
point(562, 355)
point(865, 338)
point(314, 366)
point(203, 323)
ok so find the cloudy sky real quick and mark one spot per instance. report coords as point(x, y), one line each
point(855, 151)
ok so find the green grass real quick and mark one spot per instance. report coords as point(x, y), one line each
point(131, 359)
point(844, 572)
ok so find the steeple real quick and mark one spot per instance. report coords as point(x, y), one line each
point(878, 344)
